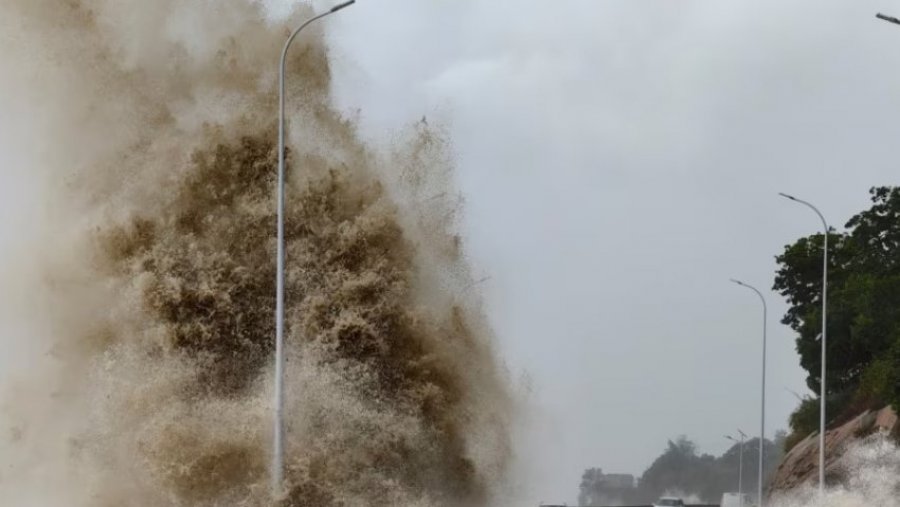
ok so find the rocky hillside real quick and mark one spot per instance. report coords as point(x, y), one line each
point(800, 464)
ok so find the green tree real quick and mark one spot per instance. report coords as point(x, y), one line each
point(863, 306)
point(679, 468)
point(598, 488)
point(589, 492)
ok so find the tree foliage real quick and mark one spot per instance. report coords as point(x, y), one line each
point(681, 470)
point(597, 489)
point(863, 339)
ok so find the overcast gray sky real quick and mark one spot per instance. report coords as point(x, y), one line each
point(620, 162)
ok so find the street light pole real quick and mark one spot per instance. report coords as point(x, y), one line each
point(740, 466)
point(278, 445)
point(762, 410)
point(824, 334)
point(889, 19)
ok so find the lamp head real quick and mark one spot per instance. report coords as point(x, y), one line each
point(342, 6)
point(787, 196)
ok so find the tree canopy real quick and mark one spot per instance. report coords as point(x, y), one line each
point(863, 339)
point(681, 470)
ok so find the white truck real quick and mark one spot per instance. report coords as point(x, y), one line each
point(736, 500)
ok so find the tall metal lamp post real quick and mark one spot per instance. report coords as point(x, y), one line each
point(889, 19)
point(740, 465)
point(762, 410)
point(824, 336)
point(278, 445)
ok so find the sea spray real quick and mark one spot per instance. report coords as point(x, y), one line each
point(870, 472)
point(156, 298)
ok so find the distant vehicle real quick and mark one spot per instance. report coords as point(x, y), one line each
point(669, 501)
point(736, 500)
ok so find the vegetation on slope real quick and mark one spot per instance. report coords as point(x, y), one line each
point(863, 339)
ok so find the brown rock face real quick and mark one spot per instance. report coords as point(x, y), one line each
point(801, 464)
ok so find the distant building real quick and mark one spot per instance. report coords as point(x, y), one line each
point(598, 488)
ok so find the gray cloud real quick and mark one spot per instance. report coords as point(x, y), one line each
point(620, 161)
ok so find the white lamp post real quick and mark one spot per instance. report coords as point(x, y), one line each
point(278, 445)
point(740, 465)
point(824, 337)
point(762, 410)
